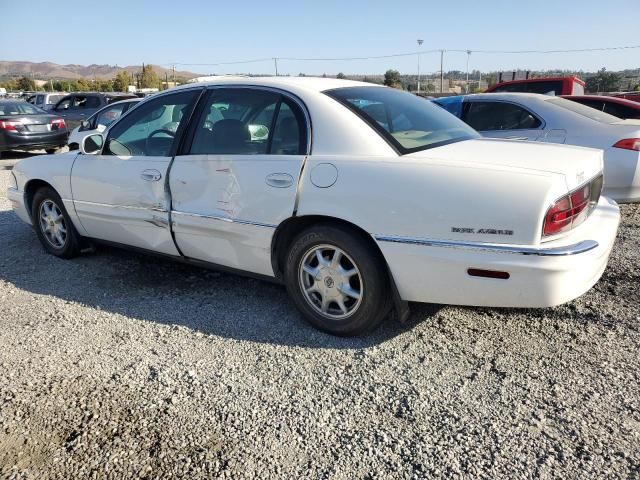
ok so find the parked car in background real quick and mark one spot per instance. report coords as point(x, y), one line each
point(26, 127)
point(634, 96)
point(100, 120)
point(618, 107)
point(548, 86)
point(80, 106)
point(543, 118)
point(45, 101)
point(357, 197)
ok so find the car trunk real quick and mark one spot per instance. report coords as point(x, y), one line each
point(577, 164)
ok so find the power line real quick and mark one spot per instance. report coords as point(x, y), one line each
point(406, 54)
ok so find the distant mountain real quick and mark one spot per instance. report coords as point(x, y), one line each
point(49, 70)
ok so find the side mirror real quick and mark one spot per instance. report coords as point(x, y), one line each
point(92, 144)
point(85, 125)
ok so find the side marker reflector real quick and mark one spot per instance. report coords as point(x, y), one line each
point(478, 272)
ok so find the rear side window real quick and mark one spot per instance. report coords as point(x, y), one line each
point(485, 116)
point(242, 121)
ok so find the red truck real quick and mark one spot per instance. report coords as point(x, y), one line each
point(551, 85)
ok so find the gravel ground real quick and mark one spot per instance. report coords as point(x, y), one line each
point(115, 365)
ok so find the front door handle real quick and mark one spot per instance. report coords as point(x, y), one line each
point(279, 180)
point(151, 175)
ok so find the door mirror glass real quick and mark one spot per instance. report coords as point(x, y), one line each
point(91, 144)
point(85, 125)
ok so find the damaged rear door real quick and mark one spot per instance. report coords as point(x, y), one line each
point(119, 194)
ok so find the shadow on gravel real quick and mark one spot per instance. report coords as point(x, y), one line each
point(172, 293)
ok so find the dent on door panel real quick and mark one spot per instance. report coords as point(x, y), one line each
point(225, 208)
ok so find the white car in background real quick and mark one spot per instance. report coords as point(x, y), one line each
point(544, 118)
point(357, 197)
point(99, 121)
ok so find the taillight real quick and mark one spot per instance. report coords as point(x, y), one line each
point(570, 211)
point(57, 124)
point(629, 144)
point(8, 125)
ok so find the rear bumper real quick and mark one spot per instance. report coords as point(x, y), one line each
point(538, 277)
point(33, 141)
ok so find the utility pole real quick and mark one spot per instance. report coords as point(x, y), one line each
point(174, 74)
point(467, 84)
point(275, 63)
point(441, 71)
point(419, 45)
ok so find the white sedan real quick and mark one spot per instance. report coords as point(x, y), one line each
point(544, 118)
point(358, 197)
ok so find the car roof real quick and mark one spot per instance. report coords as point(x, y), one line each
point(318, 84)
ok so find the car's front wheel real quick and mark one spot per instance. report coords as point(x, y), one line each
point(53, 225)
point(337, 280)
point(51, 151)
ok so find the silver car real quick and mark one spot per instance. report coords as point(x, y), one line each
point(544, 118)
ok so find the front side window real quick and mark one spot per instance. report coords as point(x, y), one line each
point(86, 101)
point(151, 129)
point(621, 111)
point(408, 122)
point(52, 99)
point(243, 121)
point(64, 104)
point(484, 116)
point(39, 100)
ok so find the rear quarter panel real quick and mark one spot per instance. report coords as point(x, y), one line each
point(424, 198)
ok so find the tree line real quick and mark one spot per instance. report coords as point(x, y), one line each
point(146, 78)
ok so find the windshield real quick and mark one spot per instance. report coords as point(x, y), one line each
point(585, 111)
point(408, 122)
point(19, 108)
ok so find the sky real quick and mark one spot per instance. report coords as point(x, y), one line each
point(188, 32)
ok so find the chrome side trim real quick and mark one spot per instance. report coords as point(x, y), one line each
point(580, 247)
point(153, 208)
point(223, 219)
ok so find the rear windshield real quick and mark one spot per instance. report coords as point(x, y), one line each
point(583, 110)
point(19, 108)
point(408, 122)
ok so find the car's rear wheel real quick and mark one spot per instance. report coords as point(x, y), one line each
point(337, 280)
point(53, 225)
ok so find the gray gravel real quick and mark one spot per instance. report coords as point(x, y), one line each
point(115, 365)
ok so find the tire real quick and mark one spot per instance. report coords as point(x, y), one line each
point(51, 151)
point(47, 210)
point(340, 301)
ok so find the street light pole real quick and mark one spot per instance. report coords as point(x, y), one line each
point(467, 84)
point(419, 45)
point(441, 71)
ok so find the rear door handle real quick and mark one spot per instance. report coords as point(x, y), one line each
point(151, 175)
point(279, 180)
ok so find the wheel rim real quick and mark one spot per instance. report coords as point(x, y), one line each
point(52, 224)
point(331, 282)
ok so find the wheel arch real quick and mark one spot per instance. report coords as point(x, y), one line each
point(291, 227)
point(30, 189)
